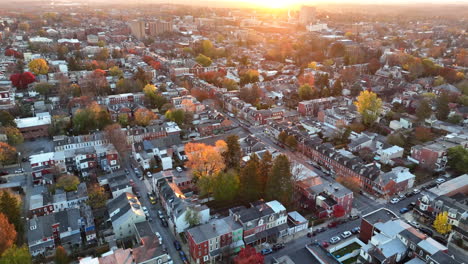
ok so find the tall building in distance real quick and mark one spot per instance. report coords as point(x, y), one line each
point(137, 27)
point(307, 15)
point(158, 27)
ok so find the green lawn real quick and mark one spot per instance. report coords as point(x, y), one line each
point(351, 260)
point(348, 249)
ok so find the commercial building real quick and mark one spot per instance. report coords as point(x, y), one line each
point(158, 27)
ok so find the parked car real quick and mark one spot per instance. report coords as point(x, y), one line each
point(178, 169)
point(409, 194)
point(132, 183)
point(404, 210)
point(149, 174)
point(310, 234)
point(321, 229)
point(353, 217)
point(278, 246)
point(160, 214)
point(2, 173)
point(149, 218)
point(411, 205)
point(441, 240)
point(164, 222)
point(137, 193)
point(440, 180)
point(177, 245)
point(346, 234)
point(137, 172)
point(145, 210)
point(183, 257)
point(25, 159)
point(266, 251)
point(401, 197)
point(416, 191)
point(19, 171)
point(356, 230)
point(394, 200)
point(334, 240)
point(127, 172)
point(325, 244)
point(332, 224)
point(159, 237)
point(426, 231)
point(415, 224)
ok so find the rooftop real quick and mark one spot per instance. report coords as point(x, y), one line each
point(450, 185)
point(380, 215)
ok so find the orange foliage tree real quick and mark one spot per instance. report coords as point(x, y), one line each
point(144, 116)
point(205, 160)
point(8, 232)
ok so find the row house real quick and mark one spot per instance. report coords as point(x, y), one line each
point(215, 240)
point(127, 98)
point(7, 97)
point(40, 204)
point(314, 106)
point(262, 222)
point(433, 155)
point(41, 165)
point(139, 134)
point(63, 142)
point(187, 103)
point(213, 127)
point(63, 200)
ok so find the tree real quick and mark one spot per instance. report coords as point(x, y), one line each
point(102, 55)
point(282, 136)
point(203, 159)
point(280, 182)
point(143, 116)
point(97, 197)
point(15, 255)
point(7, 154)
point(249, 76)
point(203, 60)
point(439, 80)
point(43, 88)
point(22, 80)
point(312, 65)
point(142, 77)
point(249, 180)
point(8, 232)
point(114, 134)
point(264, 171)
point(230, 84)
point(68, 182)
point(455, 119)
point(424, 110)
point(458, 159)
point(291, 141)
point(232, 155)
point(95, 83)
point(337, 49)
point(374, 65)
point(249, 255)
point(226, 186)
point(192, 217)
point(369, 106)
point(423, 134)
point(176, 115)
point(38, 66)
point(115, 71)
point(13, 134)
point(6, 119)
point(441, 224)
point(90, 118)
point(337, 89)
point(10, 206)
point(61, 256)
point(306, 92)
point(396, 139)
point(443, 109)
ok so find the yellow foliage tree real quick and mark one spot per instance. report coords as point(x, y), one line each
point(205, 160)
point(149, 89)
point(144, 116)
point(38, 66)
point(441, 224)
point(312, 65)
point(369, 106)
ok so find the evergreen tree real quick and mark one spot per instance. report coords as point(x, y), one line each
point(10, 207)
point(424, 110)
point(443, 109)
point(250, 184)
point(280, 182)
point(337, 89)
point(232, 155)
point(15, 255)
point(226, 186)
point(265, 168)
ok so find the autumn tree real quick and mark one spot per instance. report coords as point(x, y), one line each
point(97, 197)
point(249, 179)
point(373, 65)
point(226, 186)
point(396, 139)
point(248, 255)
point(423, 134)
point(203, 60)
point(291, 141)
point(115, 71)
point(7, 154)
point(118, 138)
point(443, 109)
point(369, 106)
point(280, 181)
point(6, 119)
point(61, 256)
point(249, 76)
point(43, 88)
point(68, 182)
point(306, 92)
point(22, 80)
point(16, 255)
point(282, 136)
point(232, 155)
point(144, 116)
point(153, 97)
point(10, 206)
point(337, 89)
point(8, 233)
point(94, 83)
point(204, 160)
point(458, 159)
point(38, 66)
point(441, 223)
point(13, 134)
point(423, 111)
point(176, 115)
point(93, 117)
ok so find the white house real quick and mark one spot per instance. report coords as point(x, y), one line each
point(124, 211)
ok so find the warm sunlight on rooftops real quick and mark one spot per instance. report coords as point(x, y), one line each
point(276, 4)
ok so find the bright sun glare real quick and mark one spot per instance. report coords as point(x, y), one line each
point(277, 3)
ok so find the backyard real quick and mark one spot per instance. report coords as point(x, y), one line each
point(346, 250)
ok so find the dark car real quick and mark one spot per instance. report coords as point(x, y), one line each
point(266, 251)
point(183, 257)
point(2, 173)
point(411, 205)
point(278, 246)
point(177, 245)
point(164, 222)
point(404, 210)
point(356, 230)
point(426, 231)
point(325, 244)
point(409, 194)
point(353, 217)
point(332, 224)
point(441, 240)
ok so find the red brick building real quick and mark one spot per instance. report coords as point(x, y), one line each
point(312, 107)
point(34, 127)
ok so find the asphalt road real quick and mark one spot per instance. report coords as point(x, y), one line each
point(166, 234)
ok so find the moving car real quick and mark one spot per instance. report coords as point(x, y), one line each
point(394, 200)
point(159, 237)
point(356, 230)
point(321, 229)
point(346, 234)
point(19, 171)
point(334, 240)
point(177, 245)
point(404, 210)
point(266, 251)
point(151, 198)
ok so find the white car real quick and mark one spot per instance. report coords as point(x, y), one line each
point(334, 240)
point(346, 234)
point(415, 224)
point(440, 180)
point(178, 169)
point(149, 174)
point(159, 237)
point(394, 200)
point(19, 171)
point(416, 191)
point(145, 210)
